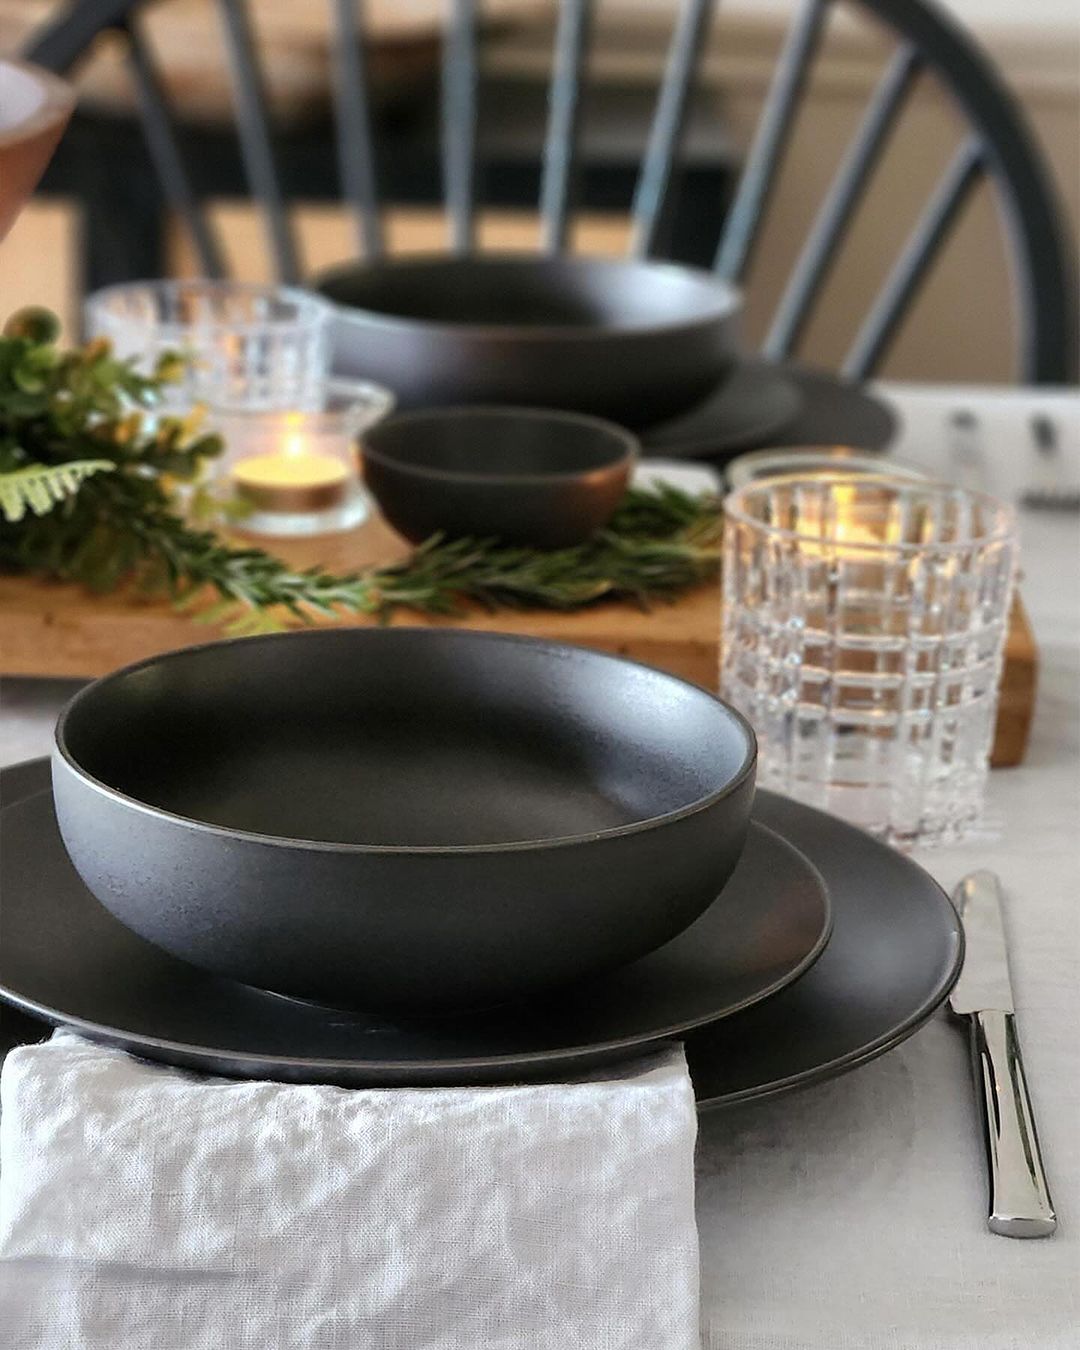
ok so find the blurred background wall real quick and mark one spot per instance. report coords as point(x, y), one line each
point(1037, 46)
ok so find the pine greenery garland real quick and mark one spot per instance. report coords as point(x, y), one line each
point(88, 494)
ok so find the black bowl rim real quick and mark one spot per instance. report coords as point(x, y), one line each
point(629, 444)
point(729, 301)
point(729, 787)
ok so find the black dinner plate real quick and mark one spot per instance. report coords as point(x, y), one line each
point(893, 956)
point(836, 411)
point(753, 404)
point(65, 958)
point(895, 953)
point(767, 404)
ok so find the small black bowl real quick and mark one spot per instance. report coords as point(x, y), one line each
point(522, 475)
point(402, 819)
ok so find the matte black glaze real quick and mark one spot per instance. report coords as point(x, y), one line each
point(402, 818)
point(66, 959)
point(522, 475)
point(755, 403)
point(891, 960)
point(764, 404)
point(631, 340)
point(837, 411)
point(894, 955)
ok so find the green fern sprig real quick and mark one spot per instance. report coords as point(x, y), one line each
point(40, 487)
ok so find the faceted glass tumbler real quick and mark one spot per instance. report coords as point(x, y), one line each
point(864, 623)
point(249, 348)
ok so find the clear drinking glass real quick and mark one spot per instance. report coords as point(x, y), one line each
point(250, 348)
point(864, 622)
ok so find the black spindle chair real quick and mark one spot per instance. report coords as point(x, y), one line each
point(997, 148)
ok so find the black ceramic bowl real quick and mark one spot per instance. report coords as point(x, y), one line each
point(522, 475)
point(635, 341)
point(401, 819)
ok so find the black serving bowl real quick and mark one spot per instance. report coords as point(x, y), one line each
point(401, 819)
point(635, 341)
point(522, 475)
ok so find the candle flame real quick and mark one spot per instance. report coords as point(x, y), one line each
point(849, 529)
point(292, 444)
point(846, 523)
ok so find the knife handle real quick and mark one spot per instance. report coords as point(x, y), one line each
point(1020, 1204)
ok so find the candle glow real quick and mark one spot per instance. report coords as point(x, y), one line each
point(845, 522)
point(295, 477)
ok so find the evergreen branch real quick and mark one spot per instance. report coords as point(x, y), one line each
point(258, 592)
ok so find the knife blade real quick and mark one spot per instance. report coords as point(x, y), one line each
point(1020, 1204)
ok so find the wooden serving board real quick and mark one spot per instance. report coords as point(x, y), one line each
point(59, 630)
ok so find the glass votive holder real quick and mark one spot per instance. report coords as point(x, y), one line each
point(864, 622)
point(298, 472)
point(248, 348)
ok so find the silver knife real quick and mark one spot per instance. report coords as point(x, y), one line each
point(1020, 1204)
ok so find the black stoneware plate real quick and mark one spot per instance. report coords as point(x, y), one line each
point(66, 959)
point(894, 955)
point(753, 404)
point(762, 404)
point(836, 411)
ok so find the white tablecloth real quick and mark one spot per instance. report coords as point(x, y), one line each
point(852, 1216)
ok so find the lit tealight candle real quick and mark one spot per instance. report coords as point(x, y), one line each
point(837, 516)
point(293, 479)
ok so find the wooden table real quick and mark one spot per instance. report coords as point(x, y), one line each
point(59, 630)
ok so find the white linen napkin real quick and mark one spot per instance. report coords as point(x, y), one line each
point(142, 1206)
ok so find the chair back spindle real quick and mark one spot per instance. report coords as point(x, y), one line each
point(911, 268)
point(830, 226)
point(770, 140)
point(460, 75)
point(163, 144)
point(564, 122)
point(352, 108)
point(668, 124)
point(253, 130)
